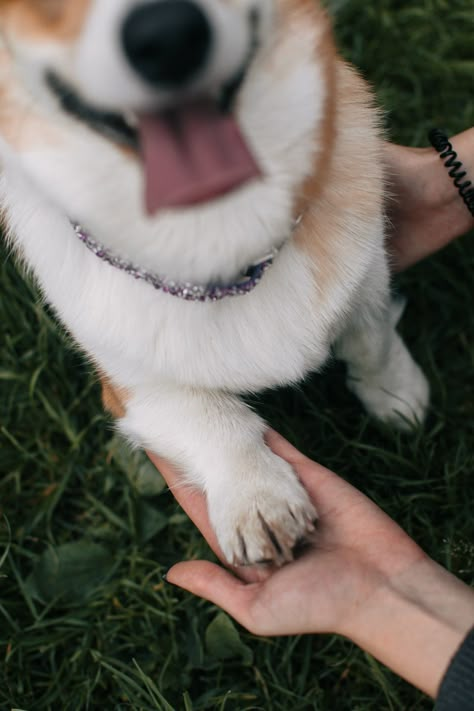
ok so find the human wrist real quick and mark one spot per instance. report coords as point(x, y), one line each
point(415, 623)
point(445, 193)
point(425, 209)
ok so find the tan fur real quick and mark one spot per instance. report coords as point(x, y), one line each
point(22, 126)
point(337, 184)
point(61, 19)
point(21, 122)
point(344, 146)
point(114, 399)
point(326, 57)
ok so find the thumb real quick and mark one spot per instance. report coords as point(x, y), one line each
point(217, 585)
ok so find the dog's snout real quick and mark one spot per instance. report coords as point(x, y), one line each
point(167, 42)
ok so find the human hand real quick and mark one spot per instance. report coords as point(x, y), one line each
point(362, 577)
point(357, 548)
point(424, 208)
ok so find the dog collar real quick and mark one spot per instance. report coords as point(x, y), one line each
point(246, 282)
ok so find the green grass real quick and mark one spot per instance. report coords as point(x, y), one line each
point(108, 633)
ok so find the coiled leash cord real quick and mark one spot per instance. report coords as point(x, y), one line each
point(440, 142)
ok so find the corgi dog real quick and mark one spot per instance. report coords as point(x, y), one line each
point(198, 189)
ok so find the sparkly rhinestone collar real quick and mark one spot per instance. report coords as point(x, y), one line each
point(247, 281)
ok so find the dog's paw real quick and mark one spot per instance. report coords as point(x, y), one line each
point(398, 395)
point(263, 514)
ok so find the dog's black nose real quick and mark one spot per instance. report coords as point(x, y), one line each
point(167, 42)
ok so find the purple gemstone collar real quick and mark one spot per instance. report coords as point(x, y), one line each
point(184, 290)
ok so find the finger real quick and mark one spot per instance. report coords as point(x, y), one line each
point(217, 585)
point(191, 500)
point(328, 491)
point(311, 474)
point(194, 504)
point(280, 446)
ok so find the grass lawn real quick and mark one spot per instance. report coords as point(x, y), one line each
point(107, 633)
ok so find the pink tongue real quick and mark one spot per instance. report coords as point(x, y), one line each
point(191, 155)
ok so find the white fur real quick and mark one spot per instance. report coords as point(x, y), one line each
point(380, 370)
point(184, 364)
point(88, 179)
point(116, 83)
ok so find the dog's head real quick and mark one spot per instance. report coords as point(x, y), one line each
point(202, 97)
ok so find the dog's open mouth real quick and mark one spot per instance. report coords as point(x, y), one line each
point(191, 154)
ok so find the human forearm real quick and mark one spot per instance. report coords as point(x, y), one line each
point(415, 623)
point(364, 579)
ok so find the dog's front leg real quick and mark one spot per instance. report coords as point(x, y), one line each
point(257, 506)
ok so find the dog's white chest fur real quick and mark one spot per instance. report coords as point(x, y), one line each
point(269, 337)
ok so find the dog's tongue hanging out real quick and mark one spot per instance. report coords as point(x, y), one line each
point(192, 154)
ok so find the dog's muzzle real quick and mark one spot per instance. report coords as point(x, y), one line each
point(195, 151)
point(192, 150)
point(168, 42)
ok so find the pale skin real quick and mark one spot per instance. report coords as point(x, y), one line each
point(363, 577)
point(426, 211)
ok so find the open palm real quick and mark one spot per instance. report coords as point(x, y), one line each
point(355, 550)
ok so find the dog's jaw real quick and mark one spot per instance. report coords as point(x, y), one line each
point(117, 85)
